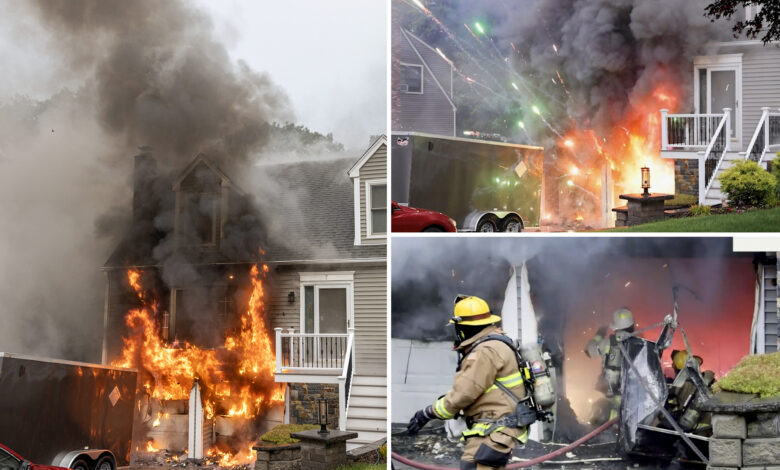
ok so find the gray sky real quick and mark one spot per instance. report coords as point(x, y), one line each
point(330, 57)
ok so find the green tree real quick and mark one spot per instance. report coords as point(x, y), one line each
point(766, 20)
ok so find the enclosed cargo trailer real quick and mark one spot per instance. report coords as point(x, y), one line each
point(485, 186)
point(68, 414)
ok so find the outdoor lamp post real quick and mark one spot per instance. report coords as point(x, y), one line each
point(646, 181)
point(322, 415)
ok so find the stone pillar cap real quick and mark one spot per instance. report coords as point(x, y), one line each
point(333, 436)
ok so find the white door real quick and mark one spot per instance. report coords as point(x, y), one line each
point(718, 87)
point(326, 310)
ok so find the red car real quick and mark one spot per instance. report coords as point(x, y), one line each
point(410, 219)
point(13, 461)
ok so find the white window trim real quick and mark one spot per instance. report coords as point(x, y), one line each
point(327, 279)
point(721, 62)
point(369, 230)
point(422, 78)
point(356, 198)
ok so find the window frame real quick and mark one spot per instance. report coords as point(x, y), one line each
point(422, 79)
point(368, 209)
point(189, 196)
point(326, 280)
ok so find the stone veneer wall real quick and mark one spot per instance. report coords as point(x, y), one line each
point(747, 441)
point(303, 404)
point(686, 177)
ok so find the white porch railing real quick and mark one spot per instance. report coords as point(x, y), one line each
point(306, 353)
point(766, 138)
point(706, 133)
point(687, 131)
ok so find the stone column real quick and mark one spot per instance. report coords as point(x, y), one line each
point(277, 457)
point(323, 451)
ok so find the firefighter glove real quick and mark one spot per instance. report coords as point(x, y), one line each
point(420, 419)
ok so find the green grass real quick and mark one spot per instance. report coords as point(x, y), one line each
point(761, 220)
point(280, 434)
point(759, 374)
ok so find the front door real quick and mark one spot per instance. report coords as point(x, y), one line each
point(719, 86)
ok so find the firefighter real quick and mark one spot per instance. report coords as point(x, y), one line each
point(623, 325)
point(684, 395)
point(488, 373)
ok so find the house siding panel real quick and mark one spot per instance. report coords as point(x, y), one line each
point(760, 85)
point(370, 309)
point(375, 168)
point(770, 308)
point(371, 320)
point(430, 112)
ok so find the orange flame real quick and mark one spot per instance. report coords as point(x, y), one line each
point(624, 149)
point(150, 447)
point(238, 381)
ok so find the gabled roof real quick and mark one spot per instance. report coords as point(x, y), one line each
point(201, 158)
point(411, 39)
point(355, 170)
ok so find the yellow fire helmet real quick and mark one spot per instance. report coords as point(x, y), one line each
point(470, 310)
point(680, 356)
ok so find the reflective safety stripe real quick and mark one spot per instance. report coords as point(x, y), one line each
point(483, 429)
point(509, 381)
point(441, 410)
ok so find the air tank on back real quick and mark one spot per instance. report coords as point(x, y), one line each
point(544, 394)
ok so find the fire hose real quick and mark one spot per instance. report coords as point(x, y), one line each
point(525, 464)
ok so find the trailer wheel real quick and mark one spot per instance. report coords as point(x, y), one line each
point(106, 463)
point(80, 464)
point(486, 225)
point(512, 223)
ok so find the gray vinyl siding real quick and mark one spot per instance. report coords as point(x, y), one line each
point(371, 320)
point(760, 86)
point(770, 308)
point(370, 304)
point(430, 112)
point(375, 168)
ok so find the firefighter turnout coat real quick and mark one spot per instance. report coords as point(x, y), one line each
point(474, 392)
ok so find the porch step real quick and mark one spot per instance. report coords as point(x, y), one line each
point(371, 402)
point(714, 194)
point(368, 391)
point(369, 380)
point(367, 413)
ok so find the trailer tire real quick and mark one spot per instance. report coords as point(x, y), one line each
point(487, 224)
point(433, 228)
point(105, 462)
point(512, 223)
point(80, 464)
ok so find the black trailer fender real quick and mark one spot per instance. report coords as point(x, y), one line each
point(90, 456)
point(473, 220)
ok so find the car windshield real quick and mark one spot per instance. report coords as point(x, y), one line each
point(8, 461)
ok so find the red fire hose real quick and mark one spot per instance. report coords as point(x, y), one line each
point(528, 463)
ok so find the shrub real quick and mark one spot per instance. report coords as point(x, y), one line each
point(746, 183)
point(698, 210)
point(682, 200)
point(280, 434)
point(776, 172)
point(759, 374)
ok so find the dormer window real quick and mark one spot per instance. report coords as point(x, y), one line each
point(411, 78)
point(200, 218)
point(376, 203)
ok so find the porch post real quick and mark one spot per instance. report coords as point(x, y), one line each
point(278, 350)
point(765, 117)
point(727, 115)
point(342, 405)
point(702, 179)
point(664, 130)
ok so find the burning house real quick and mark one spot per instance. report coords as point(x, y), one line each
point(727, 308)
point(206, 304)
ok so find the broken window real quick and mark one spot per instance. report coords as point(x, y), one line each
point(411, 78)
point(377, 205)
